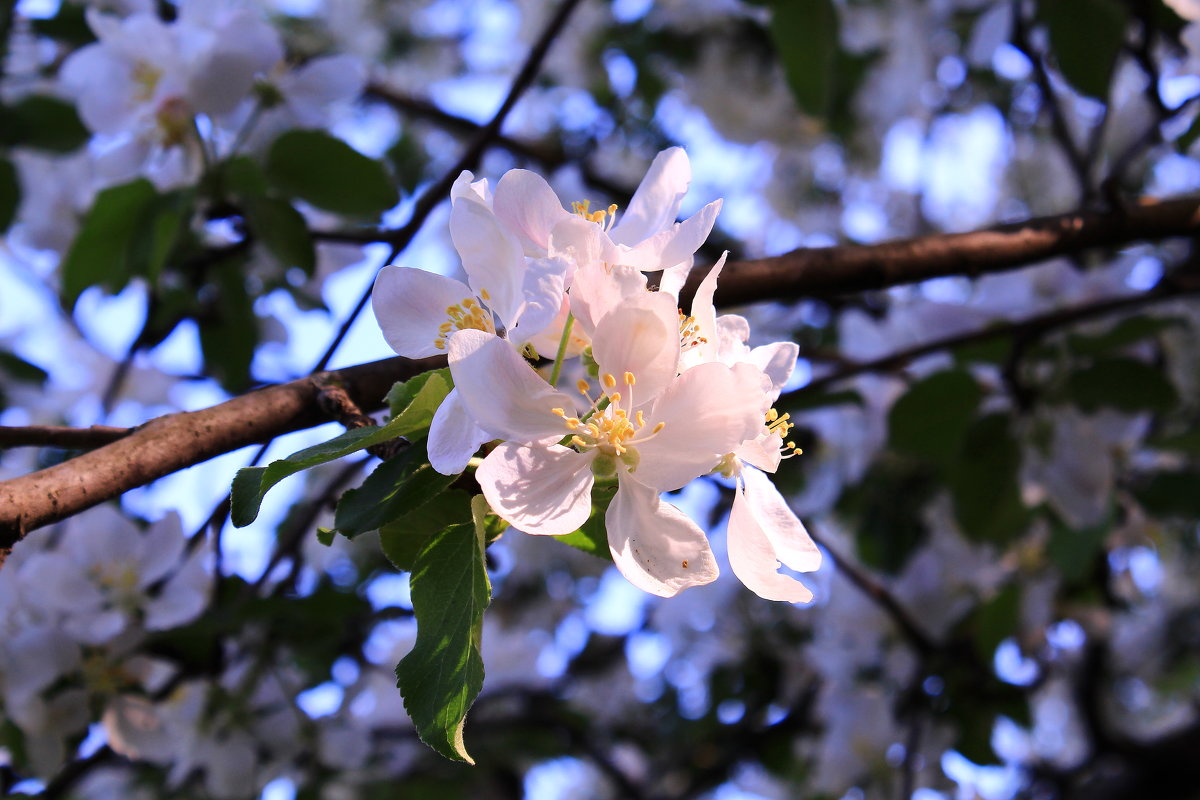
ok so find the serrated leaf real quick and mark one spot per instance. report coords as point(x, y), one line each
point(396, 486)
point(931, 418)
point(10, 194)
point(1125, 384)
point(153, 247)
point(417, 399)
point(443, 674)
point(403, 538)
point(325, 536)
point(330, 174)
point(282, 230)
point(251, 484)
point(229, 328)
point(805, 36)
point(42, 122)
point(1085, 38)
point(983, 483)
point(102, 253)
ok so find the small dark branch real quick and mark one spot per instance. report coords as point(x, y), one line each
point(1058, 119)
point(434, 195)
point(909, 629)
point(63, 783)
point(335, 401)
point(59, 436)
point(1022, 332)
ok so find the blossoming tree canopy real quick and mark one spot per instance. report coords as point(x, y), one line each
point(646, 400)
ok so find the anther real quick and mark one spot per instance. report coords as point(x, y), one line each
point(615, 397)
point(582, 386)
point(629, 379)
point(609, 380)
point(659, 427)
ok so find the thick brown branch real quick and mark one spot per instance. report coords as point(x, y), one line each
point(854, 268)
point(59, 436)
point(177, 441)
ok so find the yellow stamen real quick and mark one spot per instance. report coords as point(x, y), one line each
point(609, 380)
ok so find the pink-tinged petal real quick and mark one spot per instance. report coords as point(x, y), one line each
point(543, 294)
point(598, 289)
point(655, 204)
point(541, 490)
point(491, 256)
point(733, 332)
point(706, 412)
point(453, 436)
point(502, 392)
point(704, 347)
point(466, 186)
point(762, 452)
point(777, 361)
point(577, 240)
point(674, 245)
point(655, 545)
point(530, 207)
point(790, 541)
point(410, 304)
point(548, 340)
point(753, 558)
point(673, 278)
point(641, 337)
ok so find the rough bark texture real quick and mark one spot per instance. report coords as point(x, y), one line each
point(177, 441)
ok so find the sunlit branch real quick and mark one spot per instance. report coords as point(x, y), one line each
point(1023, 330)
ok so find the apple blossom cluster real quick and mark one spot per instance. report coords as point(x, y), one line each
point(657, 397)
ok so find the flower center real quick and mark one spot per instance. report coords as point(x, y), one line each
point(145, 77)
point(778, 424)
point(689, 332)
point(605, 217)
point(468, 314)
point(613, 427)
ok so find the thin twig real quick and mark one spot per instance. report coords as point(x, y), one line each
point(60, 436)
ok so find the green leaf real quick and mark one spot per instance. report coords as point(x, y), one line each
point(1074, 551)
point(398, 485)
point(800, 400)
point(993, 350)
point(330, 174)
point(240, 176)
point(229, 327)
point(282, 230)
point(592, 537)
point(42, 122)
point(994, 621)
point(1085, 38)
point(68, 25)
point(18, 369)
point(1124, 333)
point(1171, 494)
point(416, 400)
point(931, 418)
point(10, 194)
point(1187, 441)
point(408, 159)
point(443, 674)
point(403, 538)
point(983, 483)
point(325, 536)
point(103, 252)
point(805, 36)
point(888, 509)
point(153, 247)
point(1125, 384)
point(251, 484)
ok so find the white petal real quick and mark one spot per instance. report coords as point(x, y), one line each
point(733, 331)
point(597, 289)
point(754, 559)
point(707, 412)
point(793, 546)
point(541, 490)
point(655, 545)
point(763, 451)
point(453, 436)
point(183, 598)
point(655, 204)
point(529, 207)
point(502, 392)
point(478, 190)
point(548, 340)
point(491, 256)
point(641, 337)
point(777, 361)
point(543, 297)
point(673, 245)
point(673, 278)
point(705, 313)
point(161, 549)
point(410, 304)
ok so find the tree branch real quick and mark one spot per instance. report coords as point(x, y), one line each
point(854, 268)
point(176, 441)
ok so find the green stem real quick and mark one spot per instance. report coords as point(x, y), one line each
point(562, 349)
